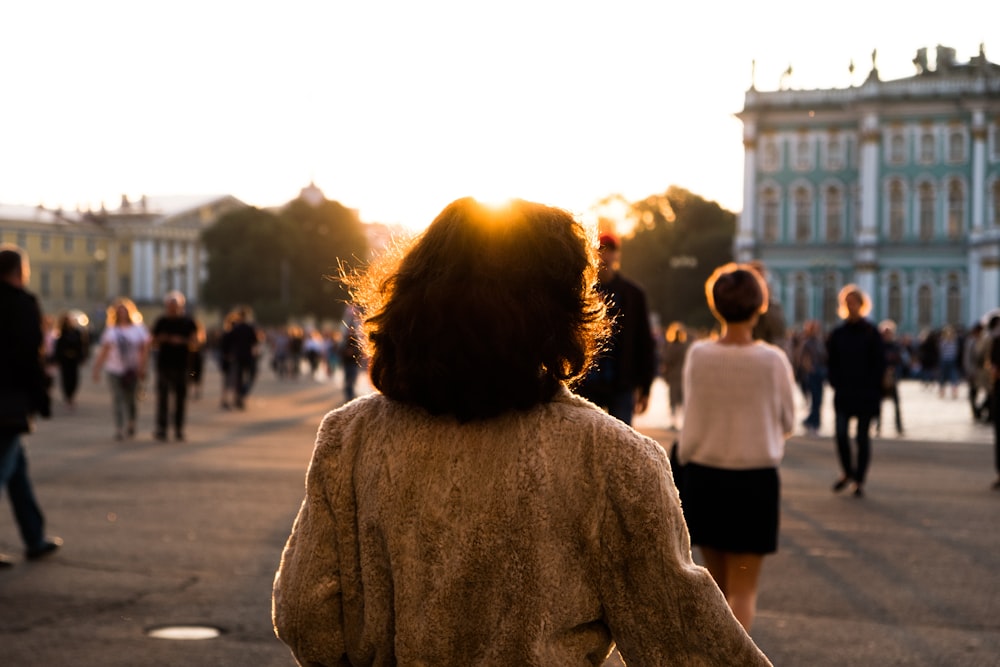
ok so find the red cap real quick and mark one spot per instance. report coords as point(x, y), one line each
point(609, 240)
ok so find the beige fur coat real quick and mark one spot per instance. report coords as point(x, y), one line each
point(536, 538)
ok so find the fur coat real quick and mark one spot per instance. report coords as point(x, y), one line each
point(540, 537)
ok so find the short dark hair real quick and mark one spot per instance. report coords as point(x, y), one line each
point(11, 261)
point(488, 311)
point(736, 292)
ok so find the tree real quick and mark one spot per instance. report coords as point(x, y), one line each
point(248, 253)
point(284, 265)
point(327, 236)
point(677, 240)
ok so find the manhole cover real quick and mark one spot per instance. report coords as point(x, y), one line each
point(184, 632)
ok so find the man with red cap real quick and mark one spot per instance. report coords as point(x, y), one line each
point(623, 374)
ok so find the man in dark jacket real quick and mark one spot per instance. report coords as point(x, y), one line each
point(622, 377)
point(23, 394)
point(855, 365)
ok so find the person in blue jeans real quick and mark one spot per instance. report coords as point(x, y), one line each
point(810, 362)
point(23, 394)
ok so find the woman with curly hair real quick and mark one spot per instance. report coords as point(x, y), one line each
point(473, 510)
point(124, 349)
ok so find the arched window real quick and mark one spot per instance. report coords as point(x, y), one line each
point(927, 146)
point(803, 217)
point(956, 209)
point(769, 204)
point(925, 305)
point(926, 211)
point(953, 307)
point(895, 305)
point(834, 214)
point(896, 204)
point(834, 152)
point(800, 303)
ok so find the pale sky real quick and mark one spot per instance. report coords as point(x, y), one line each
point(398, 107)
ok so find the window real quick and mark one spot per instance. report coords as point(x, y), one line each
point(800, 311)
point(834, 152)
point(953, 307)
point(927, 147)
point(996, 203)
point(803, 217)
point(834, 214)
point(897, 148)
point(996, 140)
point(91, 286)
point(802, 150)
point(926, 212)
point(956, 210)
point(91, 245)
point(769, 155)
point(46, 242)
point(125, 248)
point(896, 204)
point(68, 284)
point(68, 243)
point(22, 239)
point(925, 303)
point(125, 285)
point(46, 283)
point(830, 299)
point(895, 305)
point(956, 145)
point(769, 203)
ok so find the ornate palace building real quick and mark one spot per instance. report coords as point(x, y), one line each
point(81, 260)
point(893, 185)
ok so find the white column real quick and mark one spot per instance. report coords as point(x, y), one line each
point(111, 270)
point(744, 250)
point(868, 177)
point(191, 273)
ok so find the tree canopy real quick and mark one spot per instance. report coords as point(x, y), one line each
point(678, 239)
point(283, 264)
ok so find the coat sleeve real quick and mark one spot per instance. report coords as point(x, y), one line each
point(307, 605)
point(661, 607)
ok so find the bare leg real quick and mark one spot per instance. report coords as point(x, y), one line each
point(737, 576)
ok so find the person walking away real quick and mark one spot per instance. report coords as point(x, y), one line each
point(242, 343)
point(472, 510)
point(994, 360)
point(891, 374)
point(974, 369)
point(740, 408)
point(71, 351)
point(24, 395)
point(948, 361)
point(672, 370)
point(810, 364)
point(855, 365)
point(623, 376)
point(174, 334)
point(124, 350)
point(196, 362)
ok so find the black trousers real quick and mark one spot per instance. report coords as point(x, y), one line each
point(171, 381)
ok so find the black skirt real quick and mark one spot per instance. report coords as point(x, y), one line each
point(732, 510)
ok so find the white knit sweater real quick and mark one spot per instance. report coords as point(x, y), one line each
point(739, 405)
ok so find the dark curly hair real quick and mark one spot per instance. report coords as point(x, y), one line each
point(487, 311)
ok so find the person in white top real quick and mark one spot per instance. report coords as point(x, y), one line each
point(739, 408)
point(123, 354)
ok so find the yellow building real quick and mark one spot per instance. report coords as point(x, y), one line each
point(83, 259)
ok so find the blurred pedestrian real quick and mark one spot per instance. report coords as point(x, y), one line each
point(241, 347)
point(672, 370)
point(891, 374)
point(975, 370)
point(473, 510)
point(623, 374)
point(949, 360)
point(994, 359)
point(855, 365)
point(175, 333)
point(71, 351)
point(24, 394)
point(771, 326)
point(124, 350)
point(739, 409)
point(810, 368)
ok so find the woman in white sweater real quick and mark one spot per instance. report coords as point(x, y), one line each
point(739, 409)
point(473, 511)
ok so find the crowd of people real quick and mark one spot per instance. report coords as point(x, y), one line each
point(509, 356)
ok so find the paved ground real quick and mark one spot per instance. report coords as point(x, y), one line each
point(191, 534)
